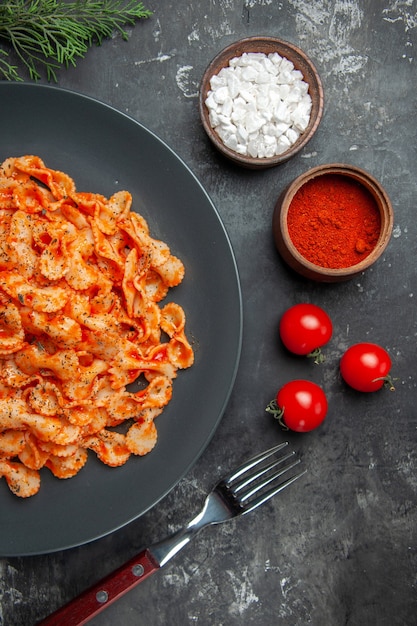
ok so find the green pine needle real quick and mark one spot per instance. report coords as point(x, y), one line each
point(50, 34)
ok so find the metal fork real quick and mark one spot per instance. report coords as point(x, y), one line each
point(246, 488)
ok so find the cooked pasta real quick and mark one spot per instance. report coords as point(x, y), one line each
point(82, 285)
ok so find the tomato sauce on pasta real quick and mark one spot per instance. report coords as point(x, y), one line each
point(82, 285)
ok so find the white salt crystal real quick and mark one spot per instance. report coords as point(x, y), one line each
point(242, 149)
point(217, 81)
point(286, 65)
point(263, 78)
point(250, 74)
point(284, 90)
point(300, 117)
point(259, 104)
point(255, 56)
point(211, 103)
point(270, 129)
point(269, 66)
point(269, 141)
point(221, 94)
point(251, 107)
point(263, 89)
point(214, 119)
point(274, 94)
point(262, 102)
point(284, 77)
point(247, 94)
point(239, 102)
point(238, 115)
point(234, 62)
point(283, 143)
point(223, 74)
point(266, 113)
point(244, 60)
point(233, 85)
point(292, 135)
point(300, 122)
point(225, 121)
point(307, 102)
point(253, 148)
point(270, 149)
point(275, 58)
point(261, 149)
point(281, 113)
point(253, 122)
point(227, 107)
point(231, 142)
point(294, 95)
point(281, 128)
point(242, 134)
point(297, 75)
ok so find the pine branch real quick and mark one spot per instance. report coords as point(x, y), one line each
point(6, 69)
point(50, 34)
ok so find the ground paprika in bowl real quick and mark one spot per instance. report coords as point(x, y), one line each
point(332, 222)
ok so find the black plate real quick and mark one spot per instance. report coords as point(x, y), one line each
point(105, 150)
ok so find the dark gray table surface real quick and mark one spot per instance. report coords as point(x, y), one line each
point(339, 548)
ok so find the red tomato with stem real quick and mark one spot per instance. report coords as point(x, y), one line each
point(300, 405)
point(366, 367)
point(304, 329)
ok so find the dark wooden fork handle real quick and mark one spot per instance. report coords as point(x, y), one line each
point(98, 597)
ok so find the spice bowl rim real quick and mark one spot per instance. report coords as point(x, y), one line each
point(290, 253)
point(301, 61)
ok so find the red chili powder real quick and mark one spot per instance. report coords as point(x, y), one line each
point(334, 221)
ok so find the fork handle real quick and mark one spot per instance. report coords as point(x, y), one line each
point(98, 597)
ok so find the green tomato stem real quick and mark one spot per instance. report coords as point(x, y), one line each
point(388, 382)
point(277, 413)
point(317, 355)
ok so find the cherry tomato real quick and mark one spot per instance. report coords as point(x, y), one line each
point(299, 405)
point(304, 329)
point(366, 367)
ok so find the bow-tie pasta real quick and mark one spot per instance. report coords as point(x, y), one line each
point(81, 318)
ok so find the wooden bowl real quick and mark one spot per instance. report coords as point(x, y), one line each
point(292, 255)
point(300, 61)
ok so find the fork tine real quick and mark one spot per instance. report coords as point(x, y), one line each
point(271, 493)
point(256, 460)
point(261, 485)
point(265, 470)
